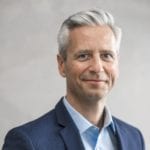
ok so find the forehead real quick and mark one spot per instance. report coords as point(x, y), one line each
point(92, 37)
point(92, 31)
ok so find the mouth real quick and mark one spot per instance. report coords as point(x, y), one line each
point(95, 81)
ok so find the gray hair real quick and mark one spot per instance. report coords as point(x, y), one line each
point(86, 18)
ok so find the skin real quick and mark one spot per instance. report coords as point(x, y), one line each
point(91, 69)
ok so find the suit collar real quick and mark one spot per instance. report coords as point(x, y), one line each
point(69, 131)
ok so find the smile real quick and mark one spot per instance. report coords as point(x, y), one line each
point(95, 81)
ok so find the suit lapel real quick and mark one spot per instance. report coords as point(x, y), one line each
point(69, 131)
point(71, 138)
point(121, 136)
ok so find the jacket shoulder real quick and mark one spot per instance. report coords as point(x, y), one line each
point(124, 125)
point(132, 135)
point(33, 134)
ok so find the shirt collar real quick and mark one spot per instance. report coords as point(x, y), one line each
point(108, 121)
point(82, 123)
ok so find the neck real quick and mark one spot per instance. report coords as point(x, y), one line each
point(92, 110)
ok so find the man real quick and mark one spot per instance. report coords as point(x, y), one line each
point(88, 58)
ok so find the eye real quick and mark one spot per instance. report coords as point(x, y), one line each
point(83, 57)
point(108, 57)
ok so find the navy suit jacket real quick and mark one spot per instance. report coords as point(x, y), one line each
point(57, 131)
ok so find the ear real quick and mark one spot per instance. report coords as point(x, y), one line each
point(61, 65)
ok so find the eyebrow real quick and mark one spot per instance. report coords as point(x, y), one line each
point(84, 51)
point(107, 51)
point(90, 51)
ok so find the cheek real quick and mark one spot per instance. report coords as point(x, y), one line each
point(72, 72)
point(114, 71)
point(76, 69)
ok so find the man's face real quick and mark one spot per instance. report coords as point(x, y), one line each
point(91, 67)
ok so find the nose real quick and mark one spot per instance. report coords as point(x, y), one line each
point(96, 65)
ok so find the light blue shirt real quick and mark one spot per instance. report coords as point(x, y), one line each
point(92, 137)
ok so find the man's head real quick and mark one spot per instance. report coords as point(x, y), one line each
point(86, 18)
point(88, 54)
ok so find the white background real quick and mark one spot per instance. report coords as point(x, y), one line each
point(29, 81)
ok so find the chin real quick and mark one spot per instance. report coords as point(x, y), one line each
point(99, 93)
point(96, 96)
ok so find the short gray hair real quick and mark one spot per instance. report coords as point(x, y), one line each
point(86, 18)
